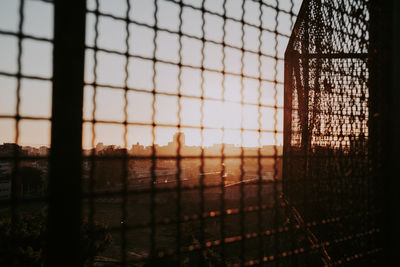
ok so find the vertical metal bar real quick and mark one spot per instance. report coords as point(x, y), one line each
point(374, 121)
point(64, 213)
point(179, 146)
point(276, 213)
point(287, 119)
point(223, 149)
point(260, 221)
point(304, 117)
point(153, 145)
point(16, 153)
point(384, 62)
point(125, 163)
point(393, 127)
point(242, 156)
point(93, 159)
point(202, 119)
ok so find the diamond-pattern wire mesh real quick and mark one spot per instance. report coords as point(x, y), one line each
point(327, 165)
point(179, 203)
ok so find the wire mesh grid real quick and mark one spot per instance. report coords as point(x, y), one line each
point(26, 43)
point(210, 74)
point(18, 77)
point(327, 153)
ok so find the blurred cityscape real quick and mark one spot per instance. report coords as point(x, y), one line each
point(107, 169)
point(219, 178)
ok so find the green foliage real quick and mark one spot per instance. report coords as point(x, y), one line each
point(25, 240)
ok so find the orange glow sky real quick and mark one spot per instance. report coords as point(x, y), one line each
point(231, 114)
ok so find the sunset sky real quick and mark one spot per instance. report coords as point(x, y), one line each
point(37, 56)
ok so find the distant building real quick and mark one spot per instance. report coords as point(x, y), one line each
point(8, 149)
point(139, 149)
point(44, 151)
point(179, 137)
point(99, 147)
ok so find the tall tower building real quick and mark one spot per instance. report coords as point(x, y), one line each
point(181, 137)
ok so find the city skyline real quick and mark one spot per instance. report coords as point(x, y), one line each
point(171, 140)
point(235, 90)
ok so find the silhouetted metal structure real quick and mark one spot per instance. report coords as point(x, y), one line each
point(328, 173)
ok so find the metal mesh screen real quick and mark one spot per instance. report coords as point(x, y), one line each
point(190, 95)
point(327, 170)
point(26, 43)
point(190, 137)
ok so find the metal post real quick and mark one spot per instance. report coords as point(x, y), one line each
point(288, 88)
point(64, 213)
point(392, 146)
point(384, 119)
